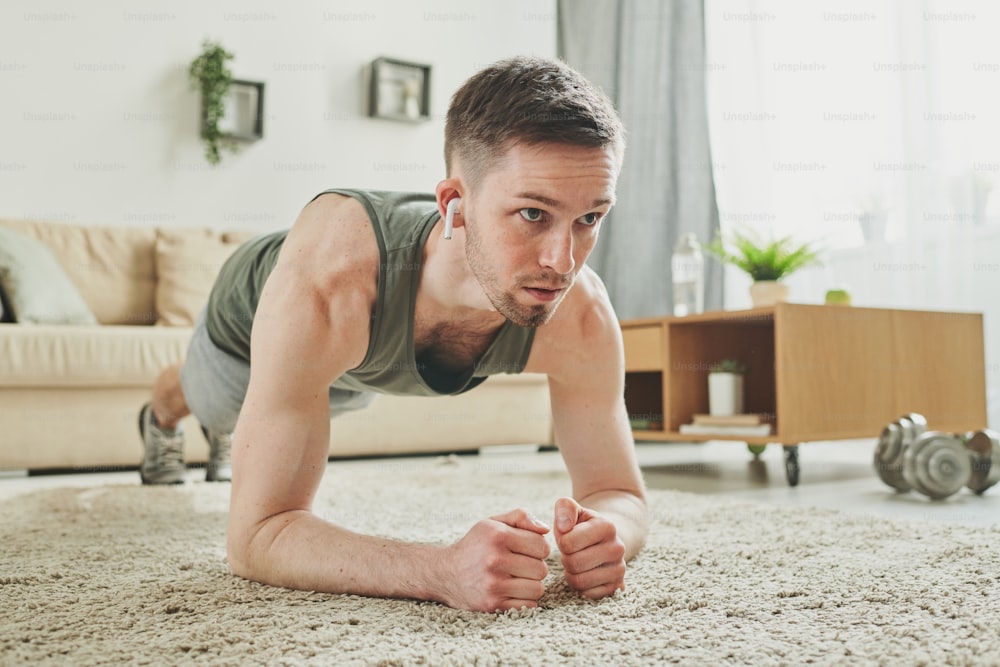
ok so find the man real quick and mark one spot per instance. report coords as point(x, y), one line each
point(425, 294)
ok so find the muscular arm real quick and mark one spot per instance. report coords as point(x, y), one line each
point(282, 439)
point(606, 521)
point(593, 434)
point(312, 326)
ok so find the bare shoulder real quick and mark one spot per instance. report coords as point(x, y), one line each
point(323, 286)
point(582, 335)
point(331, 238)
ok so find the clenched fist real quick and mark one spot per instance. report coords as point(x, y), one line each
point(592, 553)
point(499, 564)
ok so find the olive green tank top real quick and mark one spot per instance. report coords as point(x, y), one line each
point(402, 223)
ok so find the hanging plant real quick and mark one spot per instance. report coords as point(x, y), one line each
point(209, 74)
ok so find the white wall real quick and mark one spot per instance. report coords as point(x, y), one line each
point(98, 123)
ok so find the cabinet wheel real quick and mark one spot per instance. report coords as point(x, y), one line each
point(792, 465)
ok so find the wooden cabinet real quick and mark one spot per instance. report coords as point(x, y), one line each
point(819, 372)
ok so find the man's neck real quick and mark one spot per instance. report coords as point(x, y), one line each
point(449, 291)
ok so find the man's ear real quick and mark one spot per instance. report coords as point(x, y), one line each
point(447, 191)
point(449, 216)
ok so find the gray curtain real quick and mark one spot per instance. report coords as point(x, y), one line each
point(649, 57)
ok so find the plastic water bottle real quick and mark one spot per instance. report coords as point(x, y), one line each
point(688, 269)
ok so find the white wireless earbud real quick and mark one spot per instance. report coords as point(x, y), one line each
point(449, 217)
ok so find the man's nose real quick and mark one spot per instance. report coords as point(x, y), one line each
point(557, 252)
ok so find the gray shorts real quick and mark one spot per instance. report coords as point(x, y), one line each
point(215, 384)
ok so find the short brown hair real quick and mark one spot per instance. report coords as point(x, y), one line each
point(526, 100)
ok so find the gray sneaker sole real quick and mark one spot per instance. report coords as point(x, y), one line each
point(162, 478)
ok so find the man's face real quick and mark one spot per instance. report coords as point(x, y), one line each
point(532, 222)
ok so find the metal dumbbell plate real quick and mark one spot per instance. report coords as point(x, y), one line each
point(915, 423)
point(890, 452)
point(888, 457)
point(984, 454)
point(937, 464)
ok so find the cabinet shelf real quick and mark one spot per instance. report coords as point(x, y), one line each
point(820, 372)
point(670, 436)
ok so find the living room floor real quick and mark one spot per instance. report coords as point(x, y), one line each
point(836, 475)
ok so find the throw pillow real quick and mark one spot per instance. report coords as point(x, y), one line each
point(36, 287)
point(186, 268)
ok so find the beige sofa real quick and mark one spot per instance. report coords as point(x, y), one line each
point(70, 394)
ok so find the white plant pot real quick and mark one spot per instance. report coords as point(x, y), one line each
point(725, 394)
point(768, 292)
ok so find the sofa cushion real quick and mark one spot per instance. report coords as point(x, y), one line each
point(186, 268)
point(111, 266)
point(35, 285)
point(76, 356)
point(240, 236)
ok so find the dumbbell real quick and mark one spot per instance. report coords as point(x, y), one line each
point(937, 464)
point(908, 456)
point(896, 438)
point(984, 452)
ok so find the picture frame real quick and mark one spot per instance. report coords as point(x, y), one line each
point(399, 90)
point(244, 115)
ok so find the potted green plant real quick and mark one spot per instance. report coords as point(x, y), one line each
point(209, 74)
point(725, 388)
point(766, 262)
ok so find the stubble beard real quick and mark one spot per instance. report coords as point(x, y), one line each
point(503, 300)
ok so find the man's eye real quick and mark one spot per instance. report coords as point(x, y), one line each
point(532, 214)
point(591, 219)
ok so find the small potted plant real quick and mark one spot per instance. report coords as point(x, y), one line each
point(209, 74)
point(725, 388)
point(766, 262)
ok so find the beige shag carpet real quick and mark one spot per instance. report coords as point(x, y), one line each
point(126, 574)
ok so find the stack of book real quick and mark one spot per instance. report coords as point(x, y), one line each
point(748, 425)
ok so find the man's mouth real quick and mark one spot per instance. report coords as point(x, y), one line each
point(543, 294)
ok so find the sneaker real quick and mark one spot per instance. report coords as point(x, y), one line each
point(219, 467)
point(163, 456)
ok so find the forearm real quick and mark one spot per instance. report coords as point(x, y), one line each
point(627, 511)
point(302, 551)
